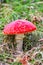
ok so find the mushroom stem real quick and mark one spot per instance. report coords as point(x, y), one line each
point(19, 41)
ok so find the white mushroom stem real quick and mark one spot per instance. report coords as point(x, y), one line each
point(19, 41)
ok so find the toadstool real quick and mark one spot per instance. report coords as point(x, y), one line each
point(19, 28)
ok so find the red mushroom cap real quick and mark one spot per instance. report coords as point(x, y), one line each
point(19, 27)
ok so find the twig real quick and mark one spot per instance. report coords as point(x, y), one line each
point(41, 2)
point(3, 45)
